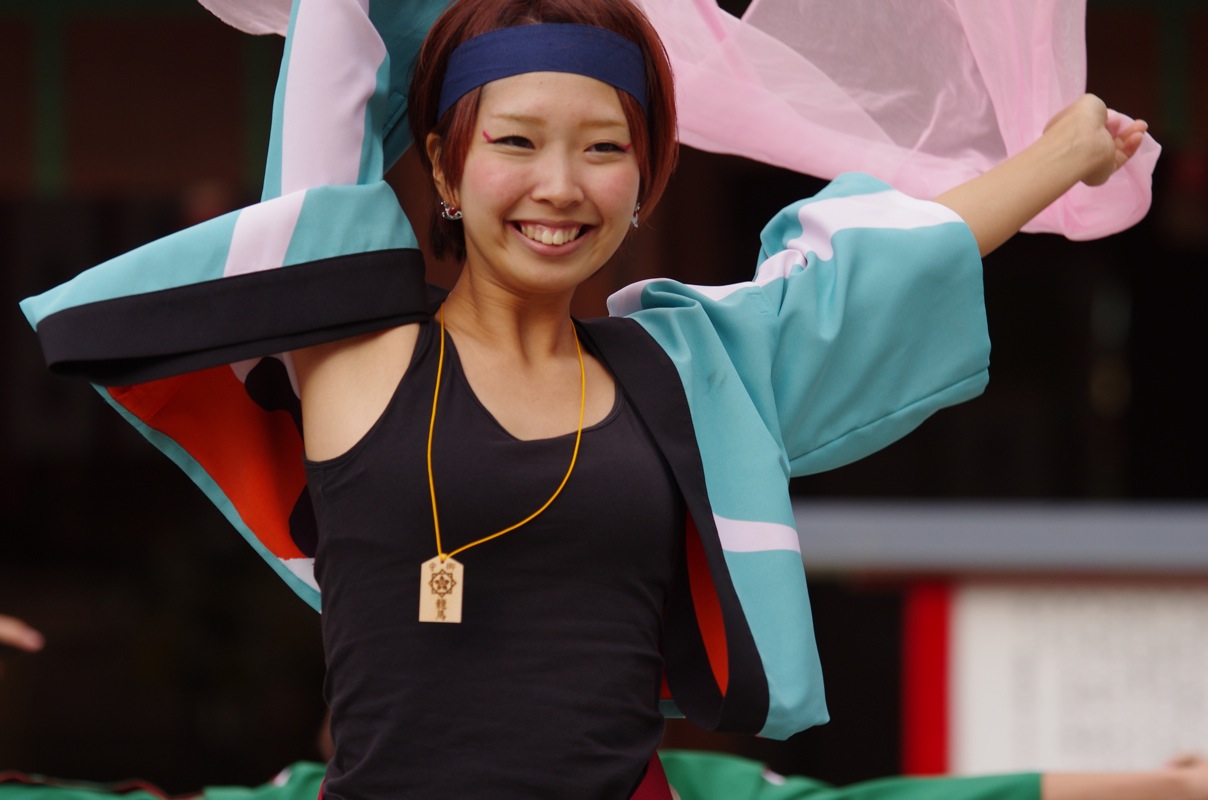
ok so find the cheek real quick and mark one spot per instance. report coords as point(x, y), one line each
point(621, 189)
point(487, 182)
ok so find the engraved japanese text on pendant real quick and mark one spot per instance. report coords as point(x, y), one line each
point(440, 587)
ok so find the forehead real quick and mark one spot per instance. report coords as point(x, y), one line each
point(552, 98)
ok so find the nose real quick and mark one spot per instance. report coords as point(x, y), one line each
point(557, 180)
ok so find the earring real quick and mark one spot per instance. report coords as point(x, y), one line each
point(449, 212)
point(636, 209)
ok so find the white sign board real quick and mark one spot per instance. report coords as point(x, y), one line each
point(1081, 676)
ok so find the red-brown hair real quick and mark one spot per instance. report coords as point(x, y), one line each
point(653, 132)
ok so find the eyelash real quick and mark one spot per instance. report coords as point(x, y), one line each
point(511, 141)
point(611, 147)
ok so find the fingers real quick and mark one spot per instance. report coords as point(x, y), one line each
point(1137, 129)
point(1129, 140)
point(1127, 133)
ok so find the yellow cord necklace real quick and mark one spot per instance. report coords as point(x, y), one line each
point(442, 577)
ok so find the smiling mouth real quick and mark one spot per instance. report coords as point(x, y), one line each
point(548, 235)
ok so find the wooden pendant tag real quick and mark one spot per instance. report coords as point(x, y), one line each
point(440, 586)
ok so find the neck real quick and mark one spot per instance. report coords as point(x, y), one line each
point(530, 327)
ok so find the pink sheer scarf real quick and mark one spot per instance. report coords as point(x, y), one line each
point(923, 94)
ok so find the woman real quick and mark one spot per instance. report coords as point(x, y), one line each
point(592, 509)
point(551, 679)
point(542, 165)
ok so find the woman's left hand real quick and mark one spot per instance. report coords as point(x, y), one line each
point(1085, 142)
point(1105, 139)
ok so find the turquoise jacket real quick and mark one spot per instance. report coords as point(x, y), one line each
point(865, 316)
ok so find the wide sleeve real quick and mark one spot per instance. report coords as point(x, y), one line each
point(881, 319)
point(865, 316)
point(220, 292)
point(316, 265)
point(182, 336)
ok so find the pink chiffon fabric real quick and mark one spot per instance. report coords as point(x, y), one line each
point(253, 16)
point(924, 94)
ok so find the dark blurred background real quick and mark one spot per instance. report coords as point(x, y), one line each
point(175, 655)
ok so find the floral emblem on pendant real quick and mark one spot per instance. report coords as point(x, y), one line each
point(442, 582)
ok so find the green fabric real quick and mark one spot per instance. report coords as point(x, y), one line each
point(717, 776)
point(37, 787)
point(693, 775)
point(299, 781)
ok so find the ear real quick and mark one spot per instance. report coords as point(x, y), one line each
point(432, 147)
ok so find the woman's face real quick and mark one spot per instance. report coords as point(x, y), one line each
point(549, 184)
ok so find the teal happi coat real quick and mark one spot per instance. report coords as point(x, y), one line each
point(865, 316)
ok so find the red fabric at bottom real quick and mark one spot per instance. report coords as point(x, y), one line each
point(654, 785)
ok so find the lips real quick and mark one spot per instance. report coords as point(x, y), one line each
point(550, 234)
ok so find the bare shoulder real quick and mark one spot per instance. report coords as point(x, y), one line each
point(346, 385)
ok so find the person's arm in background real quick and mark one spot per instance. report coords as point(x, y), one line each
point(1086, 142)
point(699, 775)
point(15, 633)
point(1185, 779)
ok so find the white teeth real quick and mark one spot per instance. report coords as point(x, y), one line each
point(546, 235)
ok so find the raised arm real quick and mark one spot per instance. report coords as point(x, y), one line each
point(1086, 142)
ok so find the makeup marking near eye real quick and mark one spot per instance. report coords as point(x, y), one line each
point(487, 136)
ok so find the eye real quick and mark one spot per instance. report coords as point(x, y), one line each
point(512, 140)
point(609, 147)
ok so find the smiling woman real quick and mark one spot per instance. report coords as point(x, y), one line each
point(536, 536)
point(550, 187)
point(511, 428)
point(645, 92)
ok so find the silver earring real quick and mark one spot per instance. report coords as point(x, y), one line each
point(449, 212)
point(636, 209)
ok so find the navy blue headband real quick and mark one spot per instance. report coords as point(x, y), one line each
point(548, 47)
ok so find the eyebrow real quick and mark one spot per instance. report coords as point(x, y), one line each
point(526, 119)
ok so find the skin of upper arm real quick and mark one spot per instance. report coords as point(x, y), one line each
point(346, 385)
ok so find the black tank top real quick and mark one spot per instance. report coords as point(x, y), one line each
point(549, 686)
